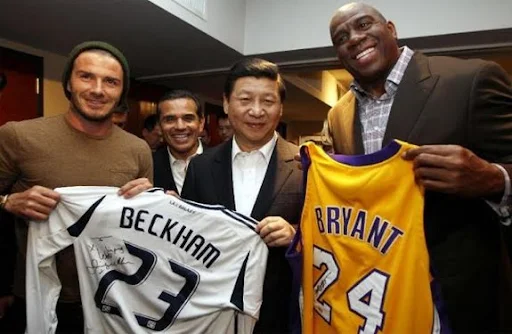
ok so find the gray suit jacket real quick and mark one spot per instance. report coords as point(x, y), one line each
point(444, 100)
point(209, 180)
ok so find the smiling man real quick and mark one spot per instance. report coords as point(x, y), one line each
point(254, 173)
point(78, 148)
point(459, 113)
point(181, 119)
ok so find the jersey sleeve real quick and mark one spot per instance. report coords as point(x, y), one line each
point(45, 240)
point(255, 264)
point(42, 282)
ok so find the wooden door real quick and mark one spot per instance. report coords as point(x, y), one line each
point(22, 98)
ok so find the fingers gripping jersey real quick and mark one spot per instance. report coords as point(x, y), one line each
point(365, 260)
point(153, 263)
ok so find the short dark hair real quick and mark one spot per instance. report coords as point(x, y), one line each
point(3, 81)
point(222, 116)
point(180, 94)
point(150, 122)
point(254, 67)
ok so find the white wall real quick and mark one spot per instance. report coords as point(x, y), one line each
point(54, 100)
point(282, 25)
point(225, 19)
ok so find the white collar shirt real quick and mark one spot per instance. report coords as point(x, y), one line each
point(179, 166)
point(374, 111)
point(249, 169)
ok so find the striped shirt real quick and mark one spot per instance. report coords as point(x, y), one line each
point(374, 111)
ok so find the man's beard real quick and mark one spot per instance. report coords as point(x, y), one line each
point(91, 118)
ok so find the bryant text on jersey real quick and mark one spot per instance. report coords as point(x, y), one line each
point(345, 220)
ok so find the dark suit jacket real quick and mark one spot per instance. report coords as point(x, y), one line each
point(162, 172)
point(209, 180)
point(444, 100)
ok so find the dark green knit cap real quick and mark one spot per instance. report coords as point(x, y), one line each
point(98, 45)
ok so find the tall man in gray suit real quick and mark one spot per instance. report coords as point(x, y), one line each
point(460, 112)
point(255, 173)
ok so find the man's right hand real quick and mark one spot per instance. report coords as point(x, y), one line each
point(35, 203)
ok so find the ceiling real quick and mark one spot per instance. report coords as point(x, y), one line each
point(154, 41)
point(158, 44)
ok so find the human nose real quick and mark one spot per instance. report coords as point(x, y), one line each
point(97, 87)
point(356, 37)
point(256, 109)
point(180, 124)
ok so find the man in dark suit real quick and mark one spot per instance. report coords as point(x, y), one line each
point(460, 113)
point(255, 174)
point(181, 119)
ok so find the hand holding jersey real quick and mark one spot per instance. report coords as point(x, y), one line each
point(35, 203)
point(38, 202)
point(135, 187)
point(362, 237)
point(275, 231)
point(150, 262)
point(453, 169)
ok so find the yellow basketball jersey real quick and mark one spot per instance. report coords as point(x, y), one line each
point(365, 260)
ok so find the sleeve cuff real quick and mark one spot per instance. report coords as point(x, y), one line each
point(503, 209)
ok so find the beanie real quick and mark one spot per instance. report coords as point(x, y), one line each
point(77, 50)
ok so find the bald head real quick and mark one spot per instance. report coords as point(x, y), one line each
point(357, 7)
point(365, 42)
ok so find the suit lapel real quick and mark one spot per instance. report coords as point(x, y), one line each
point(277, 173)
point(413, 92)
point(358, 135)
point(162, 161)
point(222, 176)
point(341, 122)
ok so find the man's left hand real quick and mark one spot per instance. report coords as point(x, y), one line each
point(275, 231)
point(135, 187)
point(455, 170)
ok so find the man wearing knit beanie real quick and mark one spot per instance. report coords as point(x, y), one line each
point(107, 48)
point(80, 147)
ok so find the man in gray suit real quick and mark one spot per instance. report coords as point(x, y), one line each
point(460, 113)
point(255, 173)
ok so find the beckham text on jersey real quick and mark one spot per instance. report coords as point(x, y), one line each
point(171, 230)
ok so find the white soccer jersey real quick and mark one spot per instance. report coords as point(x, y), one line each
point(153, 263)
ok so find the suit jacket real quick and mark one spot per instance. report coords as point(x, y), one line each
point(162, 172)
point(209, 180)
point(444, 100)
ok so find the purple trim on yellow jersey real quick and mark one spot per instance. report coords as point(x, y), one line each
point(294, 257)
point(437, 298)
point(370, 159)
